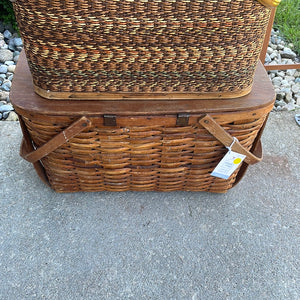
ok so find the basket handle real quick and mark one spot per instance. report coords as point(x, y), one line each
point(78, 126)
point(269, 3)
point(58, 140)
point(226, 139)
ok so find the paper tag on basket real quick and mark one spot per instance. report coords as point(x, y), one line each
point(229, 163)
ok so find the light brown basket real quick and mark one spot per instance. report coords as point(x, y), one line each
point(138, 145)
point(159, 49)
point(134, 156)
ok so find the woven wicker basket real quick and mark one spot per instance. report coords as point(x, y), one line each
point(87, 49)
point(134, 145)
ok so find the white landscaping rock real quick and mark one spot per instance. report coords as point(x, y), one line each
point(11, 68)
point(297, 97)
point(288, 53)
point(286, 82)
point(5, 55)
point(277, 81)
point(296, 88)
point(4, 95)
point(12, 116)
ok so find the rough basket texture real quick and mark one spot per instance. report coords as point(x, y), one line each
point(154, 46)
point(137, 155)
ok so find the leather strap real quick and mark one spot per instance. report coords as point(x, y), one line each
point(63, 137)
point(26, 147)
point(78, 126)
point(256, 150)
point(29, 153)
point(226, 139)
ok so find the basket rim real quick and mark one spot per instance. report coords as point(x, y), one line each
point(125, 96)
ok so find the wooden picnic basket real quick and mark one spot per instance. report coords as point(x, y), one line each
point(136, 49)
point(138, 145)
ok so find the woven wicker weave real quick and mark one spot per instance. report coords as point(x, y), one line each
point(153, 46)
point(139, 158)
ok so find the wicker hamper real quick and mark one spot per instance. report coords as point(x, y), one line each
point(121, 49)
point(138, 145)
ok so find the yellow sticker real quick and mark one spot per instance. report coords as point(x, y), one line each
point(228, 164)
point(237, 161)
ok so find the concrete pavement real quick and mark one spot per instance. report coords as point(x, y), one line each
point(179, 245)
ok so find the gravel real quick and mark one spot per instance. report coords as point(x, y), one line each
point(3, 69)
point(6, 55)
point(12, 116)
point(6, 107)
point(10, 46)
point(286, 83)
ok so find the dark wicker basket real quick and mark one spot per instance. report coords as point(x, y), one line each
point(87, 49)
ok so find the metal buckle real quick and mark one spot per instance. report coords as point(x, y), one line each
point(182, 119)
point(110, 120)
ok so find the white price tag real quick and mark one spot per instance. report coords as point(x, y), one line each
point(229, 163)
